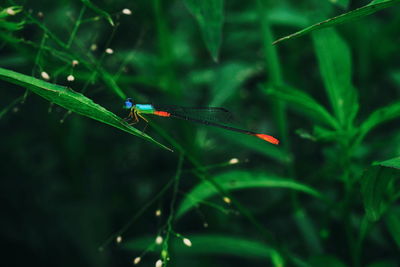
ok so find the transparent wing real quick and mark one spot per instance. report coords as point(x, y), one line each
point(212, 114)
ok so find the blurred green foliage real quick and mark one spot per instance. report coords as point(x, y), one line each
point(77, 192)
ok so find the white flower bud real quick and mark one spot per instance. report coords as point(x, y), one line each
point(70, 78)
point(109, 51)
point(227, 200)
point(45, 76)
point(159, 240)
point(75, 62)
point(233, 161)
point(11, 11)
point(126, 11)
point(119, 238)
point(159, 263)
point(187, 242)
point(158, 213)
point(137, 260)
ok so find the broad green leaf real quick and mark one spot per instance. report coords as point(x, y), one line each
point(371, 8)
point(210, 17)
point(380, 116)
point(378, 187)
point(228, 79)
point(71, 100)
point(96, 9)
point(334, 60)
point(212, 245)
point(305, 104)
point(235, 180)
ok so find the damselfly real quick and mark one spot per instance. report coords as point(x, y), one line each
point(212, 116)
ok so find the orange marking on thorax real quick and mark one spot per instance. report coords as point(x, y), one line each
point(162, 113)
point(268, 138)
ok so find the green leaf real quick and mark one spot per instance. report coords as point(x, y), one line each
point(71, 100)
point(326, 261)
point(11, 26)
point(257, 145)
point(213, 245)
point(378, 189)
point(335, 66)
point(96, 9)
point(210, 17)
point(235, 180)
point(341, 3)
point(392, 220)
point(371, 8)
point(380, 116)
point(391, 163)
point(305, 104)
point(228, 79)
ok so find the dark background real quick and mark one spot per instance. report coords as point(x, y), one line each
point(65, 188)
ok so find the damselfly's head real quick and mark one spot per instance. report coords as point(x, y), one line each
point(128, 104)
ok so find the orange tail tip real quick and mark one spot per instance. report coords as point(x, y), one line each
point(268, 138)
point(162, 113)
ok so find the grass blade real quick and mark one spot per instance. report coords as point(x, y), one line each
point(305, 104)
point(236, 180)
point(371, 8)
point(335, 66)
point(209, 15)
point(71, 100)
point(380, 116)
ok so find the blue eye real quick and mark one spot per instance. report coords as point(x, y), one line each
point(128, 103)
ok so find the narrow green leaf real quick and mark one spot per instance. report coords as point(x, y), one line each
point(213, 245)
point(210, 17)
point(308, 231)
point(334, 60)
point(257, 145)
point(11, 26)
point(341, 3)
point(71, 100)
point(326, 261)
point(391, 163)
point(235, 180)
point(380, 116)
point(377, 187)
point(305, 104)
point(371, 8)
point(392, 220)
point(96, 9)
